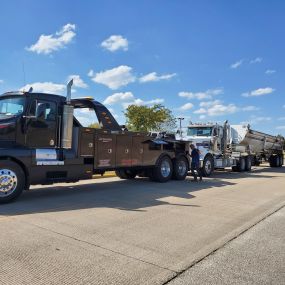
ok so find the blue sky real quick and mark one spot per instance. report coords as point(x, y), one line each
point(205, 60)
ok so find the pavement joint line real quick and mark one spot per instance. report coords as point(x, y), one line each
point(197, 261)
point(101, 247)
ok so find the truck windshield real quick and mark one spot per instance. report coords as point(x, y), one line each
point(11, 106)
point(200, 131)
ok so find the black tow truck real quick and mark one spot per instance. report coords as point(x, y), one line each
point(44, 140)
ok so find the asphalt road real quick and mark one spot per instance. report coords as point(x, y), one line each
point(112, 231)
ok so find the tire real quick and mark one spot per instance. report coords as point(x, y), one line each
point(241, 165)
point(281, 160)
point(277, 163)
point(126, 173)
point(208, 166)
point(248, 163)
point(180, 168)
point(12, 181)
point(272, 161)
point(255, 161)
point(162, 172)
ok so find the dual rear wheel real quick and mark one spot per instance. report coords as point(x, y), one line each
point(167, 169)
point(276, 160)
point(243, 164)
point(164, 170)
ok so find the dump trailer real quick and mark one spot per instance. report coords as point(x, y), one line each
point(43, 140)
point(236, 146)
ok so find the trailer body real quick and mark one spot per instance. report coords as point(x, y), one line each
point(236, 146)
point(42, 141)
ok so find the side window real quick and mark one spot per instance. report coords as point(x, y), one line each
point(43, 110)
point(87, 118)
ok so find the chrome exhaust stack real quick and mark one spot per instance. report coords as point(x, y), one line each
point(67, 120)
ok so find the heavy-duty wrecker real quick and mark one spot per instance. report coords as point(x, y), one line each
point(43, 142)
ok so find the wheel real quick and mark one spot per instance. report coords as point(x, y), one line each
point(241, 164)
point(12, 181)
point(248, 163)
point(255, 161)
point(126, 173)
point(180, 168)
point(208, 166)
point(162, 172)
point(277, 161)
point(272, 161)
point(281, 160)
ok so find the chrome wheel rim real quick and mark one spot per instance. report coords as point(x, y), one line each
point(8, 182)
point(208, 166)
point(182, 168)
point(165, 168)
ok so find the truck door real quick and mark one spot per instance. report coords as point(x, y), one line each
point(42, 124)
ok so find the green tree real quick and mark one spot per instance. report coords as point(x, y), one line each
point(154, 118)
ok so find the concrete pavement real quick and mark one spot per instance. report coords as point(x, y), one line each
point(111, 231)
point(255, 257)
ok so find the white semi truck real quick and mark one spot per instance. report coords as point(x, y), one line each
point(236, 146)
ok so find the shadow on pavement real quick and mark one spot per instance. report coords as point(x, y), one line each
point(130, 195)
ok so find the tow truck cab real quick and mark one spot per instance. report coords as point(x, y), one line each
point(46, 138)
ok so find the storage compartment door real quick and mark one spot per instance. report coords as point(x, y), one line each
point(124, 150)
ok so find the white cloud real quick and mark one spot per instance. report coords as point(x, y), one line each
point(270, 71)
point(150, 77)
point(47, 44)
point(258, 92)
point(256, 120)
point(118, 97)
point(220, 110)
point(200, 111)
point(208, 104)
point(140, 102)
point(256, 60)
point(201, 95)
point(46, 87)
point(77, 81)
point(281, 119)
point(250, 108)
point(236, 64)
point(186, 107)
point(280, 128)
point(1, 81)
point(115, 42)
point(114, 78)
